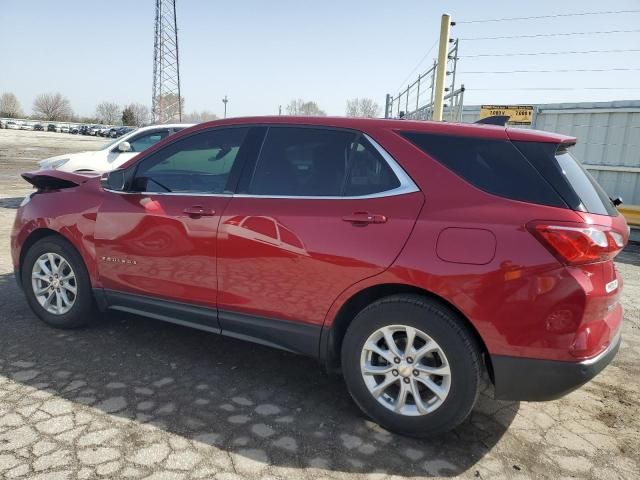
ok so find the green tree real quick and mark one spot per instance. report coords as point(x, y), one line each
point(128, 116)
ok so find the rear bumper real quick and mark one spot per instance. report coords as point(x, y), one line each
point(529, 379)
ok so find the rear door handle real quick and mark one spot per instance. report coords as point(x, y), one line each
point(199, 211)
point(363, 218)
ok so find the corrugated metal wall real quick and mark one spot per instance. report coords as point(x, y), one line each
point(608, 136)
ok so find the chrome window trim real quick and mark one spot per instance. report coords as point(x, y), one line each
point(407, 185)
point(181, 194)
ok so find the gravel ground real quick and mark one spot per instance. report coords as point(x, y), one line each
point(135, 398)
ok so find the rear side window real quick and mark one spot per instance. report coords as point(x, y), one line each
point(314, 162)
point(368, 171)
point(495, 166)
point(575, 185)
point(593, 197)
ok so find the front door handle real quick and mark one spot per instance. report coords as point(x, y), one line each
point(199, 211)
point(364, 218)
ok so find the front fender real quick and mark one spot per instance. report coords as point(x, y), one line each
point(57, 212)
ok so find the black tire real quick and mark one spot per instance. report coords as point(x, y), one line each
point(447, 330)
point(83, 311)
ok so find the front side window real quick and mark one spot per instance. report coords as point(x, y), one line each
point(314, 162)
point(200, 163)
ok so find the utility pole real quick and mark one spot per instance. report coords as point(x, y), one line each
point(279, 109)
point(225, 100)
point(441, 68)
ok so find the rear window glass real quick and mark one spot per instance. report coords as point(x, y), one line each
point(495, 166)
point(593, 196)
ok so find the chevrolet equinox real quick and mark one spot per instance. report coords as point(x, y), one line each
point(412, 257)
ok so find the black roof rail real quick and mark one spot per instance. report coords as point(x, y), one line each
point(495, 120)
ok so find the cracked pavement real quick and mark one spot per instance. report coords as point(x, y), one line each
point(136, 398)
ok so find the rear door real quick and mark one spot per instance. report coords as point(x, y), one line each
point(320, 210)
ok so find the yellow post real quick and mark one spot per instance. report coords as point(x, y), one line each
point(441, 69)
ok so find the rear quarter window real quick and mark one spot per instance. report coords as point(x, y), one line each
point(495, 166)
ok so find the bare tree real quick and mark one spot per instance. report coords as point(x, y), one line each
point(362, 107)
point(52, 106)
point(10, 106)
point(108, 112)
point(199, 117)
point(136, 114)
point(301, 107)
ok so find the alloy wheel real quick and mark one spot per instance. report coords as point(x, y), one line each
point(405, 370)
point(54, 283)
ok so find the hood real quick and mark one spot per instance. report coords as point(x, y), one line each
point(56, 180)
point(43, 163)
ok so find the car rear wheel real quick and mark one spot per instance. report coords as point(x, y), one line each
point(411, 365)
point(57, 285)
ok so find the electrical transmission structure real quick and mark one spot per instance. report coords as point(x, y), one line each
point(166, 102)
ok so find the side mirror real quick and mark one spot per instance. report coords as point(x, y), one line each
point(115, 180)
point(124, 147)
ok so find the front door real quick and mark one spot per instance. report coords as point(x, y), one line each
point(159, 238)
point(321, 210)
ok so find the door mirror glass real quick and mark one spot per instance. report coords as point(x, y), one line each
point(114, 180)
point(124, 147)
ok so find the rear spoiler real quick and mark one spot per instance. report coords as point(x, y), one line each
point(54, 179)
point(494, 120)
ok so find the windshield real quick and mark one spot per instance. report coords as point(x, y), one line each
point(116, 140)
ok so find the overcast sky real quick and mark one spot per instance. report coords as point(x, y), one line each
point(264, 53)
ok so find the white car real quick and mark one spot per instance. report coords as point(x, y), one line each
point(114, 153)
point(26, 126)
point(12, 126)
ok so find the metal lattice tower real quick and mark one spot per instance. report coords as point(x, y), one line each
point(165, 103)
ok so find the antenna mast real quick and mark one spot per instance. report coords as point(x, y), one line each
point(166, 102)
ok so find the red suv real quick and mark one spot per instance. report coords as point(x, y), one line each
point(410, 256)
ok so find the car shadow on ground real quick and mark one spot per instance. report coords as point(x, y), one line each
point(242, 398)
point(630, 255)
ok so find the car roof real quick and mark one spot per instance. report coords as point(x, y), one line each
point(166, 125)
point(426, 126)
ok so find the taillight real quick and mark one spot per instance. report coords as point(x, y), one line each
point(576, 244)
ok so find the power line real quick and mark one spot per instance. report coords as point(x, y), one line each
point(563, 34)
point(581, 14)
point(417, 65)
point(553, 88)
point(559, 70)
point(567, 52)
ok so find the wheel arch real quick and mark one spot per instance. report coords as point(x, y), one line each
point(332, 336)
point(37, 235)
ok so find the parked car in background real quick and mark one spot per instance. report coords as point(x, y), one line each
point(63, 128)
point(415, 257)
point(114, 153)
point(26, 126)
point(112, 132)
point(104, 132)
point(38, 127)
point(118, 132)
point(11, 125)
point(51, 127)
point(93, 130)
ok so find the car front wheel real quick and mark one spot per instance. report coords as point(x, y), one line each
point(57, 284)
point(411, 365)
